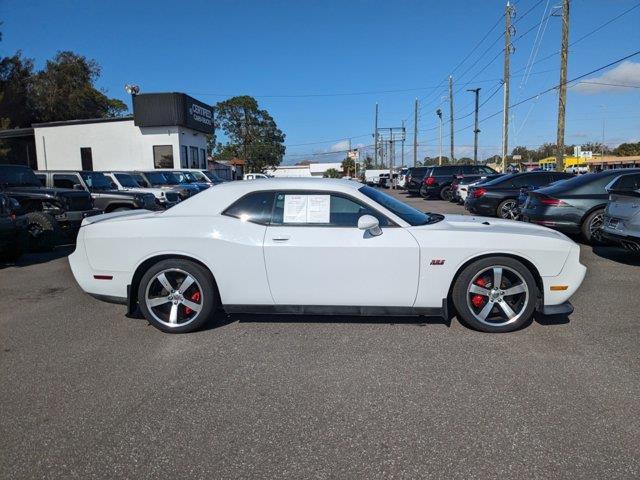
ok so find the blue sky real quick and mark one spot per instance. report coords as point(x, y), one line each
point(299, 58)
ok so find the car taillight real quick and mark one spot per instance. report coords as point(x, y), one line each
point(430, 181)
point(552, 202)
point(478, 192)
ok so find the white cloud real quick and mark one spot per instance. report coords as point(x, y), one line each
point(627, 73)
point(341, 145)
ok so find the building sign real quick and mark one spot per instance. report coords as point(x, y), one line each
point(353, 155)
point(172, 109)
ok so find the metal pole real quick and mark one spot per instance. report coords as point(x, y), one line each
point(506, 78)
point(451, 113)
point(375, 139)
point(440, 153)
point(562, 96)
point(402, 156)
point(415, 133)
point(476, 130)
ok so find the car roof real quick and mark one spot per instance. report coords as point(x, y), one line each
point(292, 184)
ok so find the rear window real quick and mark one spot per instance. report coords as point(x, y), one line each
point(441, 171)
point(417, 171)
point(255, 207)
point(626, 183)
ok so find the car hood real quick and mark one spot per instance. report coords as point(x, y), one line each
point(120, 216)
point(471, 224)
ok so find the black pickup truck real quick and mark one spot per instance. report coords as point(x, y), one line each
point(52, 213)
point(105, 197)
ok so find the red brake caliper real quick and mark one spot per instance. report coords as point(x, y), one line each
point(196, 298)
point(478, 300)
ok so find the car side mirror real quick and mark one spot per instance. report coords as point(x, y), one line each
point(370, 224)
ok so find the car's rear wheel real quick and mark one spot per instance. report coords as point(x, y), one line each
point(592, 227)
point(43, 230)
point(495, 294)
point(508, 209)
point(177, 296)
point(445, 193)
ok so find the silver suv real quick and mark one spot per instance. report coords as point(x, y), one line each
point(622, 215)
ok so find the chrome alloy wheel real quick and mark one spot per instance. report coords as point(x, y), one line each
point(497, 296)
point(174, 297)
point(595, 227)
point(509, 210)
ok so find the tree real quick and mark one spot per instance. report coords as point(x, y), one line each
point(596, 148)
point(251, 132)
point(63, 90)
point(332, 173)
point(348, 165)
point(627, 149)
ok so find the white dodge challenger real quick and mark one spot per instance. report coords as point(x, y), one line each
point(318, 246)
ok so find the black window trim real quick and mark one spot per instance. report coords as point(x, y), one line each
point(392, 223)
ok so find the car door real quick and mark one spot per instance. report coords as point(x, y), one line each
point(315, 254)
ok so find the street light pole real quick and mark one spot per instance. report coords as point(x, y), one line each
point(439, 113)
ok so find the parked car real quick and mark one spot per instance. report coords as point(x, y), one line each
point(574, 206)
point(402, 177)
point(461, 187)
point(621, 223)
point(105, 197)
point(163, 179)
point(383, 180)
point(124, 181)
point(13, 229)
point(185, 177)
point(499, 197)
point(305, 246)
point(372, 176)
point(413, 181)
point(437, 181)
point(204, 176)
point(254, 176)
point(52, 213)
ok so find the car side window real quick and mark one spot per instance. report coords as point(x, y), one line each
point(65, 180)
point(469, 169)
point(321, 209)
point(485, 170)
point(255, 207)
point(43, 179)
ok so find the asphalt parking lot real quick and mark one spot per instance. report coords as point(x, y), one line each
point(89, 393)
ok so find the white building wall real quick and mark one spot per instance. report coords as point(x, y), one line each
point(115, 145)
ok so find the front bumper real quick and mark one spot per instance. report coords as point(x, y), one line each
point(74, 218)
point(562, 309)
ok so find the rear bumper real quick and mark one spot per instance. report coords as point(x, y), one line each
point(564, 219)
point(479, 208)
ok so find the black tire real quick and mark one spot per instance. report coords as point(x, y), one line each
point(504, 207)
point(589, 231)
point(525, 302)
point(44, 231)
point(203, 279)
point(424, 194)
point(445, 192)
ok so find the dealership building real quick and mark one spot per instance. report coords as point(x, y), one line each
point(166, 130)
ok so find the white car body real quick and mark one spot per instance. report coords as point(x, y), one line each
point(315, 268)
point(159, 193)
point(372, 177)
point(621, 222)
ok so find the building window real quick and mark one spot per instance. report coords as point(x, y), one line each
point(194, 157)
point(162, 156)
point(86, 158)
point(203, 159)
point(184, 157)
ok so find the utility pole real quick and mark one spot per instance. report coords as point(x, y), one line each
point(506, 77)
point(415, 133)
point(562, 91)
point(349, 156)
point(451, 113)
point(476, 130)
point(439, 113)
point(402, 155)
point(375, 139)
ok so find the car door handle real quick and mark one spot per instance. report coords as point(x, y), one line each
point(280, 238)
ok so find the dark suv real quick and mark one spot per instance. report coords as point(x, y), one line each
point(437, 181)
point(105, 197)
point(414, 177)
point(51, 212)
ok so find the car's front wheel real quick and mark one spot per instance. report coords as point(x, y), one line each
point(495, 294)
point(177, 296)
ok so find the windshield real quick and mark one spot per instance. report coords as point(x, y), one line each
point(161, 178)
point(96, 181)
point(408, 214)
point(213, 177)
point(126, 180)
point(18, 176)
point(178, 177)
